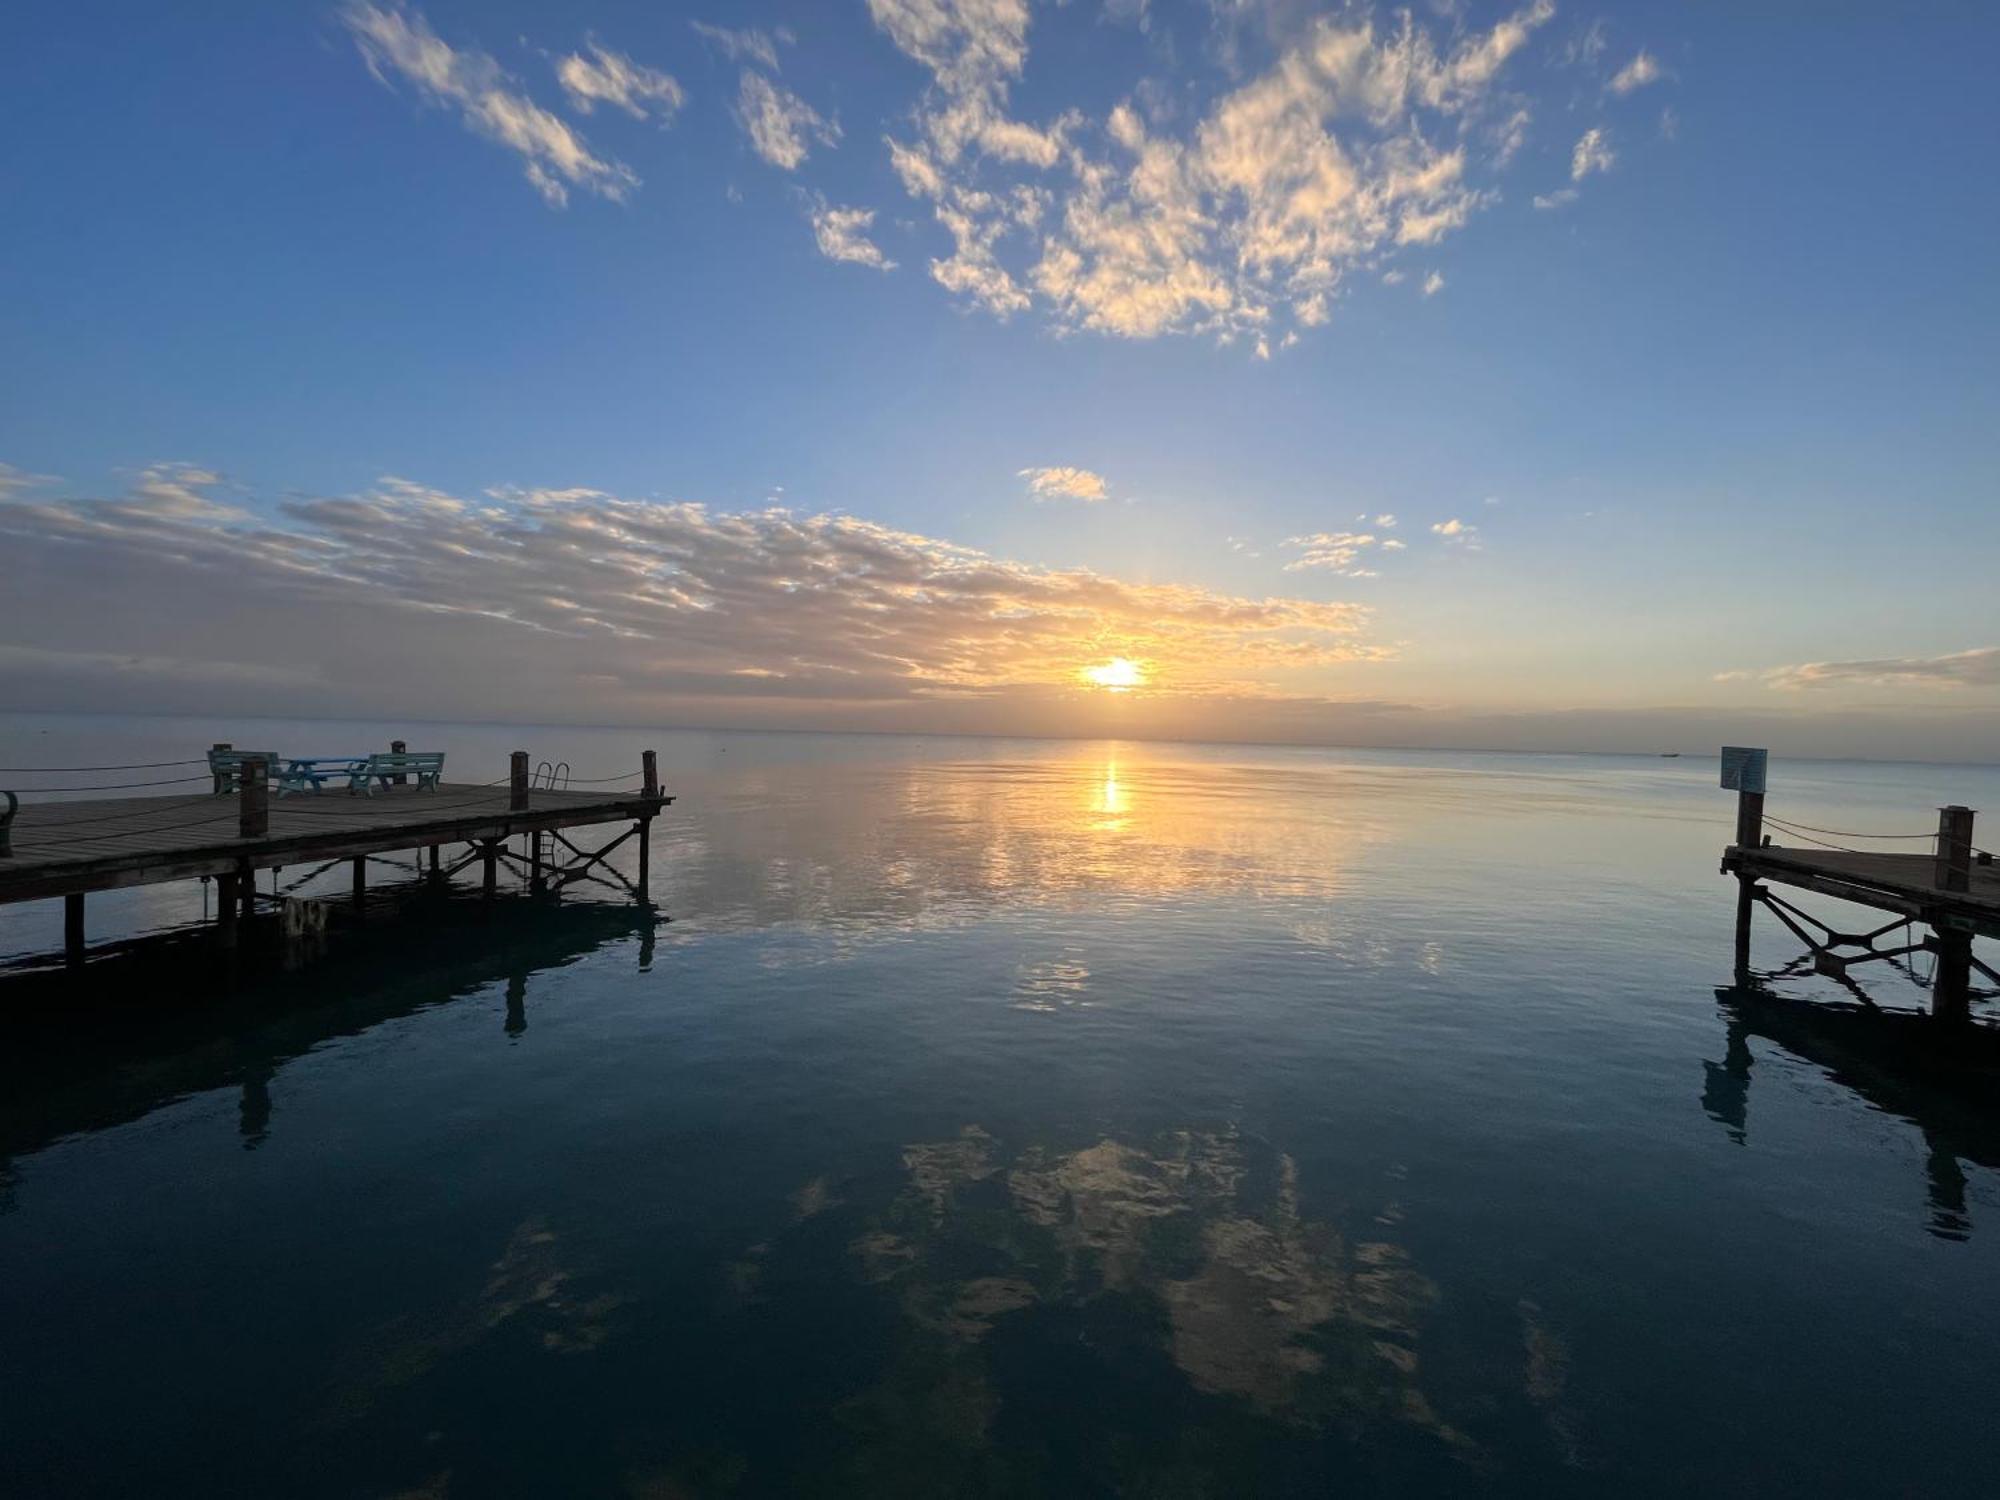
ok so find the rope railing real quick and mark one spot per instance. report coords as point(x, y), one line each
point(143, 765)
point(1842, 833)
point(1819, 843)
point(118, 786)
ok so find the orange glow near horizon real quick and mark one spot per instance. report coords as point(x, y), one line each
point(1118, 675)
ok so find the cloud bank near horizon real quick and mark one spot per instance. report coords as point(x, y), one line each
point(623, 604)
point(579, 606)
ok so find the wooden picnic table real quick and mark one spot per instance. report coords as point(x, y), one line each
point(313, 771)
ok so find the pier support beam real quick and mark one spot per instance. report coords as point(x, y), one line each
point(1749, 835)
point(489, 880)
point(1746, 905)
point(1951, 986)
point(649, 770)
point(73, 928)
point(360, 882)
point(225, 910)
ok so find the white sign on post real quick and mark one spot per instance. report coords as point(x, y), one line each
point(1743, 769)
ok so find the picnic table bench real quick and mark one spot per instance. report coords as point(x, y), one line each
point(311, 772)
point(226, 766)
point(421, 766)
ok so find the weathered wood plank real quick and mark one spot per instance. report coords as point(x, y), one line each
point(1905, 883)
point(63, 848)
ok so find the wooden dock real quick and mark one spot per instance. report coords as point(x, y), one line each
point(1953, 889)
point(69, 849)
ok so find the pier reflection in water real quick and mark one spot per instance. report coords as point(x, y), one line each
point(1006, 1119)
point(1946, 1085)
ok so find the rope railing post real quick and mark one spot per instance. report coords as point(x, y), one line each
point(1954, 848)
point(253, 800)
point(517, 792)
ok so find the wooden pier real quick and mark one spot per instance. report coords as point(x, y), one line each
point(70, 849)
point(1953, 889)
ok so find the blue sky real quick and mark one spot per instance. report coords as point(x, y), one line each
point(1684, 313)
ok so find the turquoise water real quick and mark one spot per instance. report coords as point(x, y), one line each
point(1000, 1117)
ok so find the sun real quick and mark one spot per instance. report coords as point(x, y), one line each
point(1119, 675)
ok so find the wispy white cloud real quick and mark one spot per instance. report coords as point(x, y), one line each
point(1587, 45)
point(1062, 482)
point(756, 45)
point(779, 123)
point(1978, 668)
point(1510, 135)
point(1433, 283)
point(1458, 533)
point(1339, 552)
point(1636, 74)
point(1558, 199)
point(15, 481)
point(842, 234)
point(398, 43)
point(1356, 141)
point(1592, 153)
point(607, 77)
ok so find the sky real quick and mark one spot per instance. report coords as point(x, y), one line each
point(1541, 375)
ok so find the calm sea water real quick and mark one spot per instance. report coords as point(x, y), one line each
point(1010, 1118)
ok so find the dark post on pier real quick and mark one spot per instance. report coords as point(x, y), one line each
point(1953, 890)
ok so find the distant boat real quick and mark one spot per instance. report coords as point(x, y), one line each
point(1670, 755)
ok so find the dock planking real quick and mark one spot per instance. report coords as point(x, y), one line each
point(1893, 882)
point(64, 848)
point(1954, 890)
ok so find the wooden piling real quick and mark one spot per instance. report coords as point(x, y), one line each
point(649, 769)
point(225, 912)
point(517, 785)
point(246, 887)
point(1954, 848)
point(1951, 985)
point(1749, 835)
point(73, 928)
point(360, 863)
point(490, 872)
point(253, 801)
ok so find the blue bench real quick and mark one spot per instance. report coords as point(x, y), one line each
point(226, 766)
point(310, 773)
point(421, 766)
